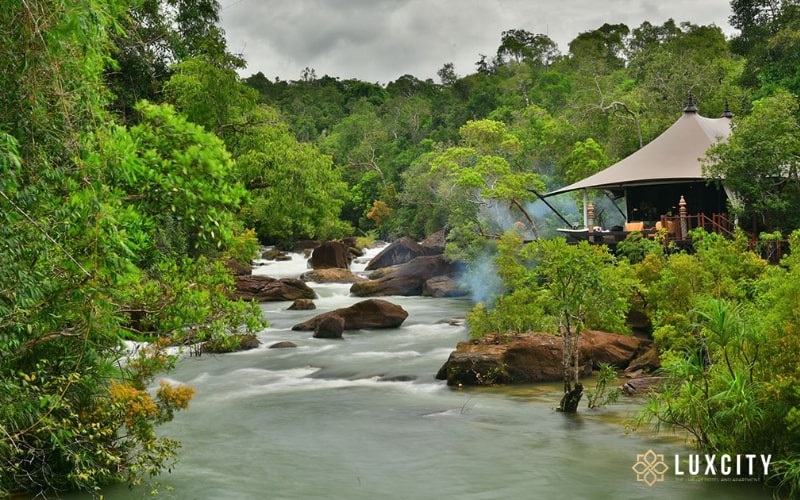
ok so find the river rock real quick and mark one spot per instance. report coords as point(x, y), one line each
point(276, 254)
point(434, 244)
point(284, 344)
point(302, 305)
point(329, 327)
point(532, 357)
point(444, 286)
point(304, 246)
point(406, 279)
point(331, 275)
point(398, 252)
point(330, 254)
point(267, 289)
point(370, 313)
point(642, 385)
point(649, 361)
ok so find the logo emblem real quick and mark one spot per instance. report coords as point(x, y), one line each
point(650, 468)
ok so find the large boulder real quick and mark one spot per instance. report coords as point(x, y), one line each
point(370, 313)
point(444, 286)
point(434, 244)
point(533, 357)
point(267, 289)
point(398, 252)
point(407, 279)
point(330, 254)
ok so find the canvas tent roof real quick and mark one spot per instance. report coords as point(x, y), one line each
point(673, 156)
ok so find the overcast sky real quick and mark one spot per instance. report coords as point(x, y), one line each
point(381, 40)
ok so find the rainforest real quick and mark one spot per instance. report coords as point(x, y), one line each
point(137, 165)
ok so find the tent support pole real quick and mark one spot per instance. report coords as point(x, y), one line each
point(550, 207)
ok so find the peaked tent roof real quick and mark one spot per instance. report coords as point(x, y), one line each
point(673, 156)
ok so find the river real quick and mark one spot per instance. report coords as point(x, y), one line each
point(363, 418)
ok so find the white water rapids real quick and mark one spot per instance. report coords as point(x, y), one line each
point(364, 418)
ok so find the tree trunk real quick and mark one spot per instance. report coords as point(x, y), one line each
point(571, 399)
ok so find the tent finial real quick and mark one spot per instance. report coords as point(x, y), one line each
point(690, 107)
point(727, 113)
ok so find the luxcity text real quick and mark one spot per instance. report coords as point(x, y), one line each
point(652, 467)
point(724, 465)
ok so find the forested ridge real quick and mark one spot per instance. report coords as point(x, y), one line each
point(134, 162)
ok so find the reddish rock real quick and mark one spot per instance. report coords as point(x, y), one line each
point(532, 357)
point(370, 313)
point(237, 268)
point(649, 361)
point(267, 289)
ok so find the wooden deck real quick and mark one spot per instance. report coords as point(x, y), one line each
point(675, 232)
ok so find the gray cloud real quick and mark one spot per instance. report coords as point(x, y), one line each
point(381, 40)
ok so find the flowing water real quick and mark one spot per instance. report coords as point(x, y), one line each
point(363, 418)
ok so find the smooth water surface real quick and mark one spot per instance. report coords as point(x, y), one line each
point(363, 418)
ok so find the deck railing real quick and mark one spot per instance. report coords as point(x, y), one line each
point(679, 228)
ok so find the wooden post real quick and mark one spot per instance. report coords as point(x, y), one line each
point(591, 216)
point(682, 212)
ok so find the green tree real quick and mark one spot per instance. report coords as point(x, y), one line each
point(296, 190)
point(760, 162)
point(580, 282)
point(72, 416)
point(478, 185)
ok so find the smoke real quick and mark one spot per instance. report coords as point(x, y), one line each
point(482, 280)
point(481, 277)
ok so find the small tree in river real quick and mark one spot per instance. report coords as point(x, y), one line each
point(580, 284)
point(549, 284)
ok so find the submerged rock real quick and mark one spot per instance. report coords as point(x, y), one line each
point(284, 344)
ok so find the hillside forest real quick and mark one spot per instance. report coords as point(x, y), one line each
point(135, 161)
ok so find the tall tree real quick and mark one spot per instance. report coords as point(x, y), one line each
point(760, 163)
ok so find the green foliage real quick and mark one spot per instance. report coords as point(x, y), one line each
point(635, 247)
point(760, 163)
point(602, 395)
point(731, 354)
point(86, 210)
point(176, 175)
point(296, 192)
